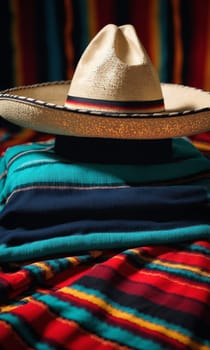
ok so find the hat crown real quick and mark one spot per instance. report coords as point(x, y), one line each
point(115, 68)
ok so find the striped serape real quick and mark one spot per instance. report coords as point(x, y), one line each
point(104, 256)
point(43, 40)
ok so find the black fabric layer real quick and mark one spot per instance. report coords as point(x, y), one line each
point(41, 213)
point(117, 151)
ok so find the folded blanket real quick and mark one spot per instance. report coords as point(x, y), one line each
point(104, 256)
point(52, 206)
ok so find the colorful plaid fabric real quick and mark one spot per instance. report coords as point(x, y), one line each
point(104, 256)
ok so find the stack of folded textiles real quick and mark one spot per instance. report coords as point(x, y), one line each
point(99, 254)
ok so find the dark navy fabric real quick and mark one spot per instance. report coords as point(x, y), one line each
point(33, 214)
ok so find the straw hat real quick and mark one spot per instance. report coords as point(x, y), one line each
point(115, 93)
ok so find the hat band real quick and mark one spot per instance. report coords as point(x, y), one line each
point(115, 106)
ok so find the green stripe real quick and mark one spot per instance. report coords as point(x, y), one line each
point(191, 275)
point(96, 325)
point(35, 271)
point(133, 312)
point(56, 265)
point(21, 328)
point(199, 248)
point(71, 244)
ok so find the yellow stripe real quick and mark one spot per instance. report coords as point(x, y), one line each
point(7, 308)
point(172, 265)
point(46, 268)
point(133, 319)
point(76, 325)
point(73, 260)
point(205, 146)
point(166, 278)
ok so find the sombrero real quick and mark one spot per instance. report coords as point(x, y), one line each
point(115, 93)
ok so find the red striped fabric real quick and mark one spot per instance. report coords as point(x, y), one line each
point(114, 288)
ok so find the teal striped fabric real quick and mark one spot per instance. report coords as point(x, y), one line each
point(27, 165)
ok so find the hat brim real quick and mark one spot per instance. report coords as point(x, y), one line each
point(41, 107)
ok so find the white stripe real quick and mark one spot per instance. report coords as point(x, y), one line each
point(63, 187)
point(27, 152)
